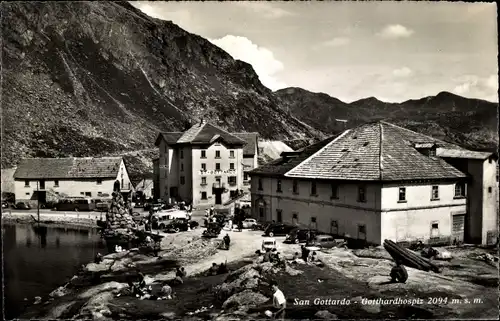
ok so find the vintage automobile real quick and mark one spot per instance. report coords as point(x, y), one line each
point(268, 244)
point(22, 206)
point(179, 224)
point(173, 214)
point(278, 229)
point(213, 230)
point(323, 241)
point(299, 235)
point(249, 223)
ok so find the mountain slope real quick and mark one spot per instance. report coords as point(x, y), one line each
point(95, 78)
point(469, 122)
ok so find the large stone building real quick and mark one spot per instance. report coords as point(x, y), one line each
point(204, 165)
point(380, 181)
point(37, 179)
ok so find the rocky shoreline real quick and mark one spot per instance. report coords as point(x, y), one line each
point(244, 292)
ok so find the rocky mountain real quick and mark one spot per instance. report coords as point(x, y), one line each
point(102, 78)
point(469, 122)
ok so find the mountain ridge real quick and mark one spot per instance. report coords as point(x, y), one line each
point(469, 122)
point(103, 78)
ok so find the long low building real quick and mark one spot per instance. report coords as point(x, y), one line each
point(381, 181)
point(40, 179)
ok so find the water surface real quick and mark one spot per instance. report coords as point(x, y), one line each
point(37, 260)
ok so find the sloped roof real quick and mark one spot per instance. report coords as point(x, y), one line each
point(67, 168)
point(200, 133)
point(251, 142)
point(283, 164)
point(377, 152)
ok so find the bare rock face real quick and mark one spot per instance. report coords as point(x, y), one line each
point(92, 78)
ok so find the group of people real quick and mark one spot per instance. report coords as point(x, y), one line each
point(272, 256)
point(306, 255)
point(218, 269)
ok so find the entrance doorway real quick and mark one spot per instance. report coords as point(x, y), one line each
point(458, 228)
point(218, 197)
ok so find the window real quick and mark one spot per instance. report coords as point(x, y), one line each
point(490, 189)
point(261, 212)
point(334, 228)
point(203, 166)
point(278, 186)
point(313, 220)
point(460, 190)
point(99, 181)
point(435, 193)
point(432, 152)
point(182, 154)
point(203, 195)
point(26, 183)
point(231, 165)
point(231, 180)
point(295, 216)
point(434, 229)
point(203, 154)
point(279, 214)
point(82, 193)
point(217, 154)
point(313, 224)
point(313, 188)
point(335, 191)
point(217, 166)
point(57, 193)
point(245, 176)
point(361, 194)
point(402, 194)
point(88, 194)
point(182, 167)
point(27, 193)
point(260, 184)
point(56, 183)
point(99, 193)
point(203, 181)
point(231, 154)
point(183, 180)
point(295, 187)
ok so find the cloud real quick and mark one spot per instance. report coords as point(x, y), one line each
point(402, 72)
point(264, 9)
point(262, 59)
point(337, 42)
point(395, 31)
point(477, 87)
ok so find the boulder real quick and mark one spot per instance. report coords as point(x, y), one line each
point(325, 315)
point(59, 292)
point(168, 315)
point(292, 271)
point(105, 287)
point(121, 265)
point(246, 298)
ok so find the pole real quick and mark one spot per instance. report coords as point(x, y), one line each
point(38, 202)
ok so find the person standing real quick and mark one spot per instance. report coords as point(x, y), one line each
point(279, 302)
point(227, 241)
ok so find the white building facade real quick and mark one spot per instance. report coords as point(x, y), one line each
point(375, 182)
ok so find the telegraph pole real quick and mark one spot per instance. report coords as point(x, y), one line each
point(38, 201)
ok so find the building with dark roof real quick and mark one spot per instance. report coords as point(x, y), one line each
point(39, 179)
point(205, 164)
point(381, 181)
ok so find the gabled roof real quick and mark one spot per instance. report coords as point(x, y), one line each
point(67, 168)
point(377, 152)
point(200, 133)
point(283, 164)
point(251, 140)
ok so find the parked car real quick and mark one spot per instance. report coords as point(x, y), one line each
point(278, 229)
point(268, 243)
point(22, 206)
point(173, 214)
point(323, 241)
point(157, 207)
point(249, 223)
point(299, 235)
point(178, 225)
point(102, 205)
point(213, 230)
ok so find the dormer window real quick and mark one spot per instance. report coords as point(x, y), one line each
point(428, 149)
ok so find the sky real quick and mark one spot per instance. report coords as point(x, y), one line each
point(393, 51)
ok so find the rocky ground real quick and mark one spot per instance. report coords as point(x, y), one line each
point(347, 276)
